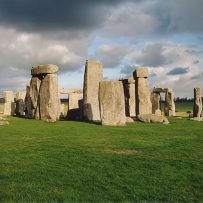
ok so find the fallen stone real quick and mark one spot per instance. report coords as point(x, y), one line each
point(112, 104)
point(152, 118)
point(44, 69)
point(129, 120)
point(197, 119)
point(4, 123)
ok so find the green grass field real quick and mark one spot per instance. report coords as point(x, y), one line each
point(82, 162)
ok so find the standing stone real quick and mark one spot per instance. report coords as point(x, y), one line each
point(20, 107)
point(48, 99)
point(28, 104)
point(73, 106)
point(112, 104)
point(92, 77)
point(197, 109)
point(9, 105)
point(142, 93)
point(73, 100)
point(169, 107)
point(20, 95)
point(129, 94)
point(35, 84)
point(155, 99)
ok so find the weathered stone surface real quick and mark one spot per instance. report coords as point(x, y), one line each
point(20, 95)
point(169, 107)
point(34, 91)
point(73, 99)
point(44, 69)
point(49, 99)
point(197, 108)
point(155, 99)
point(8, 96)
point(129, 94)
point(112, 103)
point(93, 75)
point(197, 119)
point(152, 118)
point(4, 123)
point(62, 111)
point(28, 104)
point(143, 101)
point(20, 107)
point(9, 108)
point(129, 120)
point(141, 73)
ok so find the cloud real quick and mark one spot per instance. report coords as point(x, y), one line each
point(178, 71)
point(52, 14)
point(111, 55)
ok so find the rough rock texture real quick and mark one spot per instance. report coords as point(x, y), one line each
point(129, 120)
point(93, 75)
point(129, 94)
point(8, 96)
point(169, 107)
point(44, 69)
point(141, 73)
point(20, 95)
point(112, 104)
point(9, 108)
point(197, 119)
point(143, 101)
point(34, 91)
point(20, 107)
point(152, 118)
point(9, 105)
point(73, 100)
point(49, 99)
point(155, 99)
point(28, 104)
point(197, 108)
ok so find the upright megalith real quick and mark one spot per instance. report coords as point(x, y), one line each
point(142, 93)
point(9, 105)
point(20, 104)
point(44, 93)
point(129, 95)
point(112, 104)
point(155, 99)
point(28, 103)
point(92, 77)
point(197, 108)
point(169, 107)
point(74, 112)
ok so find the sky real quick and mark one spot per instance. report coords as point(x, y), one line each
point(165, 36)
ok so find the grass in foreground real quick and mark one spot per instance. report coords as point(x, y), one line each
point(74, 161)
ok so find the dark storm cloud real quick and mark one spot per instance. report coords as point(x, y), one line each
point(178, 71)
point(53, 14)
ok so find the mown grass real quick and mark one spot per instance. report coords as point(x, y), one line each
point(84, 162)
point(184, 106)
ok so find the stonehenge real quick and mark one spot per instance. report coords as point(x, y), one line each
point(129, 94)
point(44, 93)
point(92, 77)
point(112, 104)
point(197, 108)
point(169, 104)
point(142, 93)
point(9, 105)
